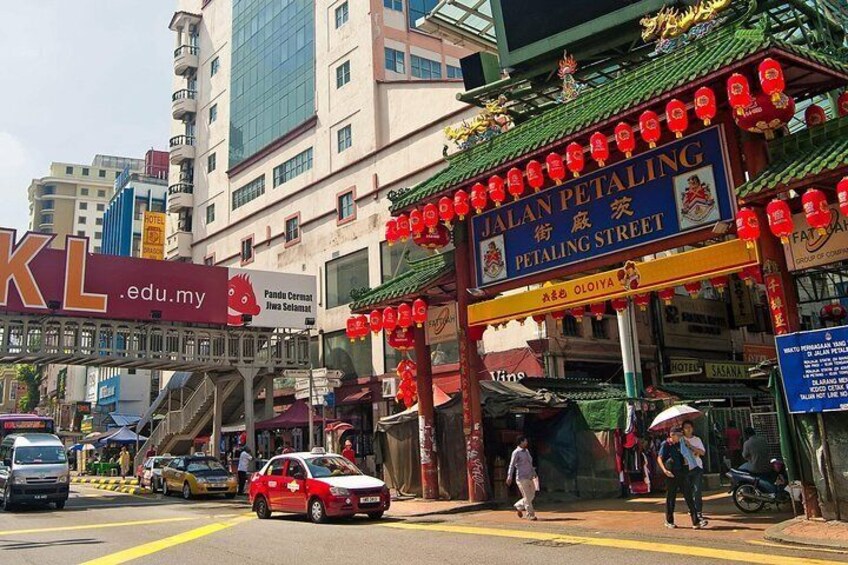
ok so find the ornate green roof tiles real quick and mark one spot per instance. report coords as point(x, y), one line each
point(807, 154)
point(422, 274)
point(724, 47)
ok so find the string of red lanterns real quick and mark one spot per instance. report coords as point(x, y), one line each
point(404, 316)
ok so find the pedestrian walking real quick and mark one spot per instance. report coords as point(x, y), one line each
point(124, 462)
point(348, 452)
point(692, 448)
point(521, 469)
point(243, 467)
point(151, 452)
point(733, 444)
point(673, 464)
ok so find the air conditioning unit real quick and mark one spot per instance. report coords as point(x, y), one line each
point(390, 387)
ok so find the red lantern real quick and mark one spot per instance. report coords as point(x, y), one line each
point(479, 198)
point(816, 210)
point(693, 288)
point(446, 211)
point(705, 104)
point(419, 312)
point(833, 312)
point(649, 127)
point(375, 320)
point(598, 309)
point(619, 304)
point(460, 204)
point(738, 92)
point(389, 319)
point(751, 274)
point(574, 158)
point(350, 329)
point(719, 283)
point(401, 339)
point(747, 226)
point(842, 104)
point(642, 300)
point(406, 366)
point(416, 221)
point(676, 117)
point(431, 216)
point(556, 168)
point(771, 78)
point(577, 313)
point(764, 116)
point(435, 239)
point(666, 295)
point(535, 178)
point(842, 195)
point(404, 318)
point(539, 318)
point(625, 140)
point(599, 146)
point(361, 326)
point(558, 315)
point(391, 232)
point(780, 220)
point(403, 227)
point(814, 115)
point(515, 182)
point(497, 193)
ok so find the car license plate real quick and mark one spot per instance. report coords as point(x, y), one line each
point(40, 497)
point(369, 500)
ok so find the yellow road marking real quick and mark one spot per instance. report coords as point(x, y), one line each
point(656, 547)
point(163, 544)
point(97, 526)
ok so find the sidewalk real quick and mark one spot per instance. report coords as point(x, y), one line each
point(417, 507)
point(812, 533)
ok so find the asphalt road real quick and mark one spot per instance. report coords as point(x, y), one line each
point(103, 528)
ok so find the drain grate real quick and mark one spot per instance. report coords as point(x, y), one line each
point(550, 543)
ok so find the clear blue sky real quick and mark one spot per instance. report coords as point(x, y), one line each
point(79, 77)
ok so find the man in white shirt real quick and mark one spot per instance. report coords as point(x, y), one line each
point(243, 467)
point(693, 449)
point(521, 469)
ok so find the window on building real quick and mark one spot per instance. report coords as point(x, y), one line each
point(81, 220)
point(247, 250)
point(342, 14)
point(85, 171)
point(47, 205)
point(251, 191)
point(343, 74)
point(48, 189)
point(394, 259)
point(97, 249)
point(209, 260)
point(83, 205)
point(98, 221)
point(345, 274)
point(354, 359)
point(136, 246)
point(454, 72)
point(83, 191)
point(599, 329)
point(101, 207)
point(293, 167)
point(46, 218)
point(210, 213)
point(570, 327)
point(418, 9)
point(13, 392)
point(117, 174)
point(345, 206)
point(101, 194)
point(69, 170)
point(425, 68)
point(292, 229)
point(396, 5)
point(101, 173)
point(211, 163)
point(213, 66)
point(213, 113)
point(98, 235)
point(81, 233)
point(345, 138)
point(395, 61)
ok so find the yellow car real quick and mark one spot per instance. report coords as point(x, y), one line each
point(197, 475)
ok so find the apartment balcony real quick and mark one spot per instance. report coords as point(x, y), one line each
point(180, 196)
point(183, 102)
point(186, 58)
point(178, 246)
point(182, 148)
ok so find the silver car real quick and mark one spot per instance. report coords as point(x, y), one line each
point(33, 469)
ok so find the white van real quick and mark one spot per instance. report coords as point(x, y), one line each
point(33, 469)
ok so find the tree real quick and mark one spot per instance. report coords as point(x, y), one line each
point(30, 377)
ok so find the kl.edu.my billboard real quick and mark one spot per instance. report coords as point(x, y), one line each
point(73, 282)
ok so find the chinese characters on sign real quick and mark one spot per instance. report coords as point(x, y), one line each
point(814, 367)
point(777, 303)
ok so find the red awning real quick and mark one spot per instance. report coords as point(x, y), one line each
point(356, 396)
point(513, 361)
point(297, 416)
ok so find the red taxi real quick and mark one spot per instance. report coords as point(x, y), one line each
point(318, 484)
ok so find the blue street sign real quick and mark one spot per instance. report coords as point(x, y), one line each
point(814, 366)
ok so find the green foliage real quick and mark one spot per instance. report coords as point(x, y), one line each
point(29, 376)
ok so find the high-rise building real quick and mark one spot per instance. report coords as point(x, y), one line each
point(72, 198)
point(293, 121)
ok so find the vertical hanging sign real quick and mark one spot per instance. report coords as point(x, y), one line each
point(153, 236)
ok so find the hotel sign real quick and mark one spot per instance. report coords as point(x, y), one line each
point(153, 236)
point(679, 187)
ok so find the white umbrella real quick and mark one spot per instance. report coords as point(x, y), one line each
point(674, 416)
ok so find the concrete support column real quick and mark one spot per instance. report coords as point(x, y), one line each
point(269, 397)
point(248, 374)
point(426, 418)
point(217, 415)
point(625, 339)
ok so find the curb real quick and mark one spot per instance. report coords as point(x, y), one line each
point(103, 481)
point(456, 510)
point(128, 487)
point(775, 533)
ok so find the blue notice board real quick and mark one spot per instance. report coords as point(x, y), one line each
point(814, 366)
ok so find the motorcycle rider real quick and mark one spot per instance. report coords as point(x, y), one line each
point(755, 451)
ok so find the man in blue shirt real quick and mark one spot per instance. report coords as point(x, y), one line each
point(672, 462)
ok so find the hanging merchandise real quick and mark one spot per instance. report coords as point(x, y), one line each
point(403, 227)
point(416, 221)
point(535, 177)
point(404, 315)
point(642, 301)
point(764, 116)
point(751, 275)
point(666, 295)
point(497, 192)
point(598, 309)
point(693, 288)
point(478, 197)
point(649, 127)
point(389, 319)
point(515, 182)
point(539, 319)
point(814, 115)
point(719, 283)
point(780, 219)
point(842, 104)
point(842, 195)
point(419, 312)
point(436, 239)
point(391, 232)
point(705, 104)
point(619, 304)
point(625, 140)
point(747, 226)
point(375, 320)
point(816, 210)
point(771, 78)
point(676, 117)
point(460, 204)
point(431, 217)
point(556, 168)
point(599, 146)
point(738, 92)
point(350, 329)
point(361, 327)
point(446, 211)
point(577, 313)
point(574, 158)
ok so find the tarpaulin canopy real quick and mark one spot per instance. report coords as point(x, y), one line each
point(498, 398)
point(297, 416)
point(122, 436)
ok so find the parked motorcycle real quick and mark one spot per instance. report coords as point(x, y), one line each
point(751, 493)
